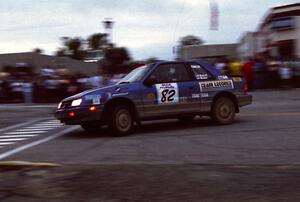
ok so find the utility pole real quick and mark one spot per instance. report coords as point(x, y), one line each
point(108, 26)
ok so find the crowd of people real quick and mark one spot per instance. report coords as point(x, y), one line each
point(263, 74)
point(50, 86)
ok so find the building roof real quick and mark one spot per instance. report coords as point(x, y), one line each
point(286, 6)
point(281, 11)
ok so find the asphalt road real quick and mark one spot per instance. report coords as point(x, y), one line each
point(263, 143)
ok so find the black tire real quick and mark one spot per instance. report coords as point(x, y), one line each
point(223, 111)
point(121, 122)
point(186, 118)
point(91, 127)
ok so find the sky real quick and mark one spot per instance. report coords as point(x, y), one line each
point(148, 28)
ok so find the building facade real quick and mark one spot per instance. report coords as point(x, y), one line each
point(278, 35)
point(207, 52)
point(38, 61)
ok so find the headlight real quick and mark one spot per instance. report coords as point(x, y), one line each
point(59, 105)
point(76, 102)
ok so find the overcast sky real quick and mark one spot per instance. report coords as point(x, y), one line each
point(148, 28)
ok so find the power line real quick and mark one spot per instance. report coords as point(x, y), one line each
point(178, 20)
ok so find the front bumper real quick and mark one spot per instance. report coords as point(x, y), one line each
point(81, 114)
point(245, 99)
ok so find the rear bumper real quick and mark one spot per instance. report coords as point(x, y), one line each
point(81, 115)
point(244, 100)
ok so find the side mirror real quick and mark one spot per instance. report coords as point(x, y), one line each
point(150, 81)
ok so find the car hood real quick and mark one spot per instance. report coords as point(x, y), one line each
point(106, 89)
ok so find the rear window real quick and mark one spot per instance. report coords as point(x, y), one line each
point(199, 72)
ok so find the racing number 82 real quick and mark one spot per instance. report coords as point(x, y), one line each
point(167, 95)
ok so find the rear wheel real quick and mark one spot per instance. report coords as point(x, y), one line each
point(223, 111)
point(121, 122)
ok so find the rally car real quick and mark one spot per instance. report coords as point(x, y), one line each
point(160, 90)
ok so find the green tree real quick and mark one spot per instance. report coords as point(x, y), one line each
point(74, 45)
point(97, 41)
point(38, 50)
point(191, 40)
point(73, 48)
point(115, 59)
point(117, 55)
point(61, 52)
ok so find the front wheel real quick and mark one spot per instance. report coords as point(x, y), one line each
point(223, 111)
point(121, 122)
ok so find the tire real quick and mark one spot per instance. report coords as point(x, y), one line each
point(121, 122)
point(223, 111)
point(186, 118)
point(91, 127)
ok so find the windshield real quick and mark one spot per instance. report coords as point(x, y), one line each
point(135, 75)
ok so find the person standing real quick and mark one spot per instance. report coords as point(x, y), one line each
point(286, 75)
point(235, 69)
point(27, 91)
point(247, 70)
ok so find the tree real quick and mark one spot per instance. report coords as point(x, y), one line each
point(38, 50)
point(74, 48)
point(117, 55)
point(97, 41)
point(115, 58)
point(61, 52)
point(191, 40)
point(74, 45)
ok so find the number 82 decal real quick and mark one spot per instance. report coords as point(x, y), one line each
point(167, 93)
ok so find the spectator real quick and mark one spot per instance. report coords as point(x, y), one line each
point(27, 91)
point(248, 73)
point(286, 75)
point(259, 73)
point(235, 68)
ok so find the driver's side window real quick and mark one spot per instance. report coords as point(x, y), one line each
point(167, 73)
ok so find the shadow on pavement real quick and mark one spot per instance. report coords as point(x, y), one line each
point(151, 127)
point(145, 183)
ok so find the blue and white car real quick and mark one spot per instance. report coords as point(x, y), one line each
point(176, 89)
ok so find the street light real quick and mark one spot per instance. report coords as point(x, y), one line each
point(108, 26)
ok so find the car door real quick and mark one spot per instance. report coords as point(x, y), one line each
point(171, 92)
point(203, 77)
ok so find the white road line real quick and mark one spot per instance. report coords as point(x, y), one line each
point(35, 127)
point(6, 143)
point(43, 125)
point(52, 122)
point(16, 136)
point(21, 124)
point(49, 123)
point(30, 129)
point(26, 132)
point(26, 106)
point(12, 139)
point(32, 144)
point(44, 122)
